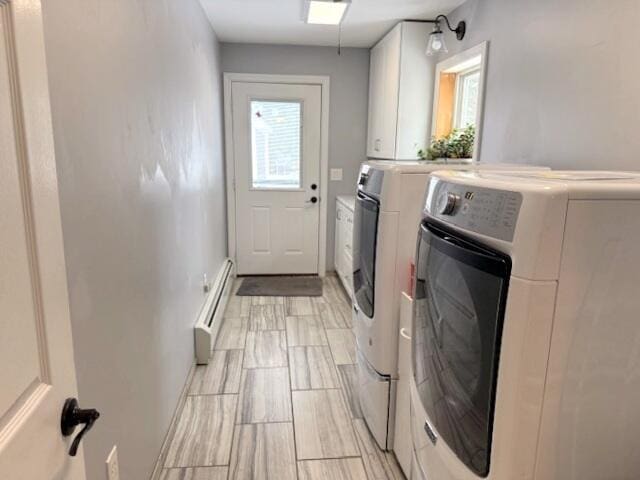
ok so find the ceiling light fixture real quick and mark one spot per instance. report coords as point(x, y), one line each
point(325, 12)
point(436, 39)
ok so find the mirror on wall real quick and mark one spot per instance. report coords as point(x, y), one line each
point(459, 96)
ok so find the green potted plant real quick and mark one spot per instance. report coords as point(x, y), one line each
point(457, 145)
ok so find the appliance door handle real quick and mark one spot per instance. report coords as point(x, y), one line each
point(493, 263)
point(367, 199)
point(403, 332)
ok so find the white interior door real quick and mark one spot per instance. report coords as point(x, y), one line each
point(36, 351)
point(276, 140)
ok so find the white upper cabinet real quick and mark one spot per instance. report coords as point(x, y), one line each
point(400, 93)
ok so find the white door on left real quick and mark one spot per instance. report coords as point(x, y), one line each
point(36, 352)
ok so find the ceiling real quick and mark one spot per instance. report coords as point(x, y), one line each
point(280, 21)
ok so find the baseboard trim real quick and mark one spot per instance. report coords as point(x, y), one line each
point(157, 469)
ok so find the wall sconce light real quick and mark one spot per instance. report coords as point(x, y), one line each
point(436, 39)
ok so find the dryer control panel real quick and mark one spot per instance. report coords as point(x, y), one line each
point(482, 210)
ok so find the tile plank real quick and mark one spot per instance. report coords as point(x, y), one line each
point(264, 396)
point(267, 300)
point(238, 307)
point(334, 469)
point(305, 330)
point(334, 292)
point(296, 306)
point(378, 464)
point(202, 473)
point(312, 368)
point(263, 451)
point(333, 316)
point(266, 317)
point(203, 434)
point(349, 383)
point(221, 375)
point(322, 425)
point(232, 334)
point(266, 348)
point(343, 345)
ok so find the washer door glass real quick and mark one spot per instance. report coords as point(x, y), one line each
point(365, 235)
point(459, 307)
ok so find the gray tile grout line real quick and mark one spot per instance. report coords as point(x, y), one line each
point(293, 417)
point(271, 367)
point(235, 413)
point(348, 406)
point(319, 459)
point(263, 423)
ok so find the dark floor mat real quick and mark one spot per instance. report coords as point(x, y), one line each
point(285, 286)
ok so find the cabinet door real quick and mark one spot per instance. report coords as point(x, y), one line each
point(376, 90)
point(347, 238)
point(388, 116)
point(415, 92)
point(384, 79)
point(339, 240)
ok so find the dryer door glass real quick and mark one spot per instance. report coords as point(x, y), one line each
point(459, 305)
point(365, 234)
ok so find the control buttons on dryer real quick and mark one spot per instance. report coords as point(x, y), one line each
point(447, 203)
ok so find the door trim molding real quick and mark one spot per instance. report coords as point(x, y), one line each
point(324, 82)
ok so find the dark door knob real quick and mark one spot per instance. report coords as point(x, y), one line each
point(313, 199)
point(72, 416)
point(314, 186)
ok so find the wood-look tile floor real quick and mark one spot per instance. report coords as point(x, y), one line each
point(278, 399)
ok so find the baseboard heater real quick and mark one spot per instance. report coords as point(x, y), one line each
point(212, 313)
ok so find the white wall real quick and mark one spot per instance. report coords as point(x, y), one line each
point(136, 97)
point(349, 74)
point(562, 84)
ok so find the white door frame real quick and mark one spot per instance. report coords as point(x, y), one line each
point(324, 82)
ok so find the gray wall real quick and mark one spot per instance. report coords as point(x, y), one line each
point(136, 98)
point(562, 85)
point(349, 74)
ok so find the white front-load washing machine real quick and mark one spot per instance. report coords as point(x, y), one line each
point(526, 331)
point(387, 215)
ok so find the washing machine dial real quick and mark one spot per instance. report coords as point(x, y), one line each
point(447, 203)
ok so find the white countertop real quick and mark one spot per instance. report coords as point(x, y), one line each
point(348, 201)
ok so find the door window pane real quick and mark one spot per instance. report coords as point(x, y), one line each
point(275, 144)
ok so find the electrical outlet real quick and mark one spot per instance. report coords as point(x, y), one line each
point(335, 174)
point(113, 471)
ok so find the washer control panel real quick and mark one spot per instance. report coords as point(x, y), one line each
point(482, 210)
point(370, 181)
